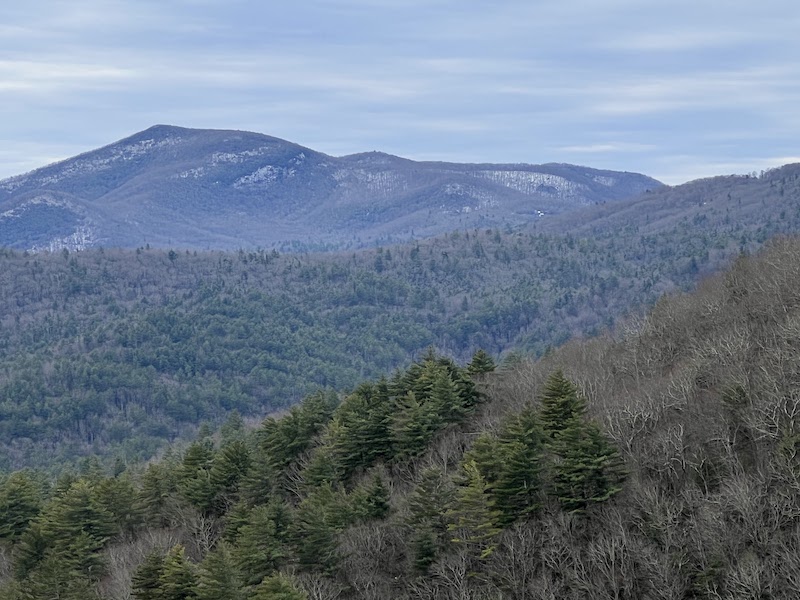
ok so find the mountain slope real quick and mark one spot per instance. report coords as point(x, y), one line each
point(174, 187)
point(657, 464)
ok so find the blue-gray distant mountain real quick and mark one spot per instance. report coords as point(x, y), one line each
point(189, 188)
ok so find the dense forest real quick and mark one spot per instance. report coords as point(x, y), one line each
point(116, 353)
point(658, 461)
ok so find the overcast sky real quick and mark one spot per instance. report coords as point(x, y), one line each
point(676, 89)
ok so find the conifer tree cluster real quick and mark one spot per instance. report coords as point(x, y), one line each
point(258, 505)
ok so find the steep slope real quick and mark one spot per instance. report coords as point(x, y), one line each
point(660, 463)
point(183, 188)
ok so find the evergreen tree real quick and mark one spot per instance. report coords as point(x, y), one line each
point(178, 579)
point(473, 518)
point(261, 543)
point(230, 466)
point(412, 427)
point(117, 496)
point(371, 501)
point(58, 579)
point(194, 476)
point(20, 503)
point(146, 580)
point(560, 404)
point(428, 506)
point(362, 432)
point(218, 578)
point(317, 523)
point(277, 587)
point(480, 364)
point(521, 453)
point(589, 469)
point(153, 494)
point(445, 398)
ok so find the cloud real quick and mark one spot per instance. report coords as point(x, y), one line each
point(672, 40)
point(609, 147)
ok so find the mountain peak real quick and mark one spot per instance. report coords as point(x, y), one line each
point(173, 186)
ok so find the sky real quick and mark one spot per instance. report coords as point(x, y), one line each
point(675, 89)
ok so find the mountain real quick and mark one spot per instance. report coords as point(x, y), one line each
point(114, 352)
point(662, 463)
point(200, 189)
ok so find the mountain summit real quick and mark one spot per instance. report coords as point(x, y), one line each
point(194, 188)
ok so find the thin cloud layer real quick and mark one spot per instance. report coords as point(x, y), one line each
point(675, 90)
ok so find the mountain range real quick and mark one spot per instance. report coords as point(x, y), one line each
point(182, 188)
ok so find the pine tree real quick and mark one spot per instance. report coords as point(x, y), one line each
point(589, 469)
point(481, 363)
point(194, 476)
point(178, 579)
point(261, 543)
point(473, 518)
point(362, 432)
point(317, 523)
point(20, 502)
point(412, 426)
point(230, 466)
point(57, 578)
point(560, 404)
point(428, 506)
point(521, 453)
point(371, 501)
point(277, 587)
point(154, 491)
point(146, 580)
point(218, 578)
point(117, 496)
point(445, 398)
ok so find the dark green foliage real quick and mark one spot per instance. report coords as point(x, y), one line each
point(56, 578)
point(218, 578)
point(560, 404)
point(20, 501)
point(588, 470)
point(428, 506)
point(117, 496)
point(152, 498)
point(316, 524)
point(517, 486)
point(277, 587)
point(481, 363)
point(371, 501)
point(473, 519)
point(362, 427)
point(412, 427)
point(194, 476)
point(230, 466)
point(74, 526)
point(261, 542)
point(698, 399)
point(146, 580)
point(178, 578)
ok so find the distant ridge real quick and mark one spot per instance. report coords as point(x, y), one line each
point(170, 186)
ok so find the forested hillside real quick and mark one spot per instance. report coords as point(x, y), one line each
point(660, 462)
point(114, 353)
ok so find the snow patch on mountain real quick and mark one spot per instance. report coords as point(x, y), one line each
point(604, 180)
point(380, 182)
point(264, 176)
point(531, 182)
point(83, 238)
point(20, 209)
